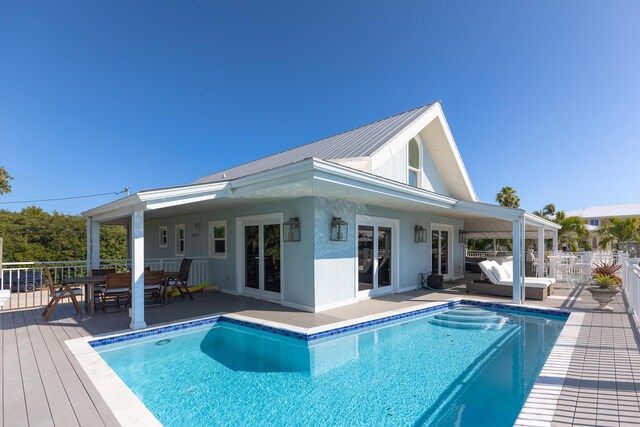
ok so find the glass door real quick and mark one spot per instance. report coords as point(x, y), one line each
point(375, 258)
point(441, 250)
point(262, 260)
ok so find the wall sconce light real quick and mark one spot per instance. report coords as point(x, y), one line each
point(421, 234)
point(462, 237)
point(291, 230)
point(339, 230)
point(196, 229)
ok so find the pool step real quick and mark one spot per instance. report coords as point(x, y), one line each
point(470, 318)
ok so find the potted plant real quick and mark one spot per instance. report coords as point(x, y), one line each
point(606, 284)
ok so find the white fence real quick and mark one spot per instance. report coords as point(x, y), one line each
point(631, 285)
point(28, 287)
point(486, 254)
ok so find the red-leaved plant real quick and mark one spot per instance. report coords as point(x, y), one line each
point(606, 269)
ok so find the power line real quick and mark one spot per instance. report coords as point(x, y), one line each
point(126, 190)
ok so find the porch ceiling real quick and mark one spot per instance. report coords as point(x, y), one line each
point(500, 229)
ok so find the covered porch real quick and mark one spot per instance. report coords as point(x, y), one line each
point(315, 273)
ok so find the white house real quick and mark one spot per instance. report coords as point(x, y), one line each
point(376, 206)
point(594, 216)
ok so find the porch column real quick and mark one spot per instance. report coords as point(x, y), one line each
point(555, 241)
point(541, 252)
point(95, 245)
point(518, 294)
point(89, 220)
point(137, 270)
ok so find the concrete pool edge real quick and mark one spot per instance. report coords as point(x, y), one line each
point(541, 404)
point(129, 410)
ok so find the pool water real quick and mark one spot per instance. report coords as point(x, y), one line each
point(461, 366)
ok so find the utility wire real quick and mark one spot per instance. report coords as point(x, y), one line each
point(126, 190)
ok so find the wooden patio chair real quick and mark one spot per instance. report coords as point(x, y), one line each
point(179, 281)
point(117, 290)
point(58, 292)
point(97, 290)
point(153, 282)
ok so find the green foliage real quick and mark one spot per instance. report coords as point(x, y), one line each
point(604, 281)
point(616, 230)
point(35, 235)
point(574, 232)
point(5, 186)
point(547, 212)
point(508, 197)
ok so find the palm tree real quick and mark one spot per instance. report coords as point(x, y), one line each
point(617, 230)
point(546, 212)
point(573, 231)
point(508, 197)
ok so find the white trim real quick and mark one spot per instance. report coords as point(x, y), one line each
point(377, 222)
point(450, 254)
point(176, 229)
point(261, 221)
point(166, 236)
point(212, 239)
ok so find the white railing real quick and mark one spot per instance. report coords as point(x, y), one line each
point(28, 287)
point(487, 254)
point(631, 285)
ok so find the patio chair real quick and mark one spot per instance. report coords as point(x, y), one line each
point(153, 281)
point(117, 290)
point(57, 295)
point(179, 281)
point(97, 290)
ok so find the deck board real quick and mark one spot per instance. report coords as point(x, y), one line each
point(42, 384)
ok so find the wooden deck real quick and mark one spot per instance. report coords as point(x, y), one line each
point(43, 385)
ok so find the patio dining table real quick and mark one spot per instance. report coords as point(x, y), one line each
point(89, 283)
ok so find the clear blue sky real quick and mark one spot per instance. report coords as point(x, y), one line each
point(543, 96)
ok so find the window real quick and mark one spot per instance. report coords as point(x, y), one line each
point(180, 239)
point(413, 157)
point(594, 222)
point(218, 239)
point(163, 236)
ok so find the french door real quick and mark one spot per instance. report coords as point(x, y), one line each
point(441, 248)
point(377, 256)
point(260, 256)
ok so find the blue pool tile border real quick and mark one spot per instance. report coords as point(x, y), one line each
point(318, 335)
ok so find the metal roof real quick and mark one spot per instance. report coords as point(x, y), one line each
point(608, 211)
point(359, 142)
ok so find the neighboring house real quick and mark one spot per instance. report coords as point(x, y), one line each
point(375, 206)
point(594, 216)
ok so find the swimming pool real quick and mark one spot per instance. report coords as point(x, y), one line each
point(457, 366)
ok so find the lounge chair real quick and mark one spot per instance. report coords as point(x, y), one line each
point(57, 295)
point(179, 280)
point(501, 278)
point(117, 290)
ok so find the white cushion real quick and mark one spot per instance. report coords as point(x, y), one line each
point(500, 273)
point(507, 266)
point(485, 266)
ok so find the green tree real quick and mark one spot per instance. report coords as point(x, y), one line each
point(573, 231)
point(616, 230)
point(5, 186)
point(35, 235)
point(508, 197)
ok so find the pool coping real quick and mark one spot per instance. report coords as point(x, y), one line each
point(129, 410)
point(541, 404)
